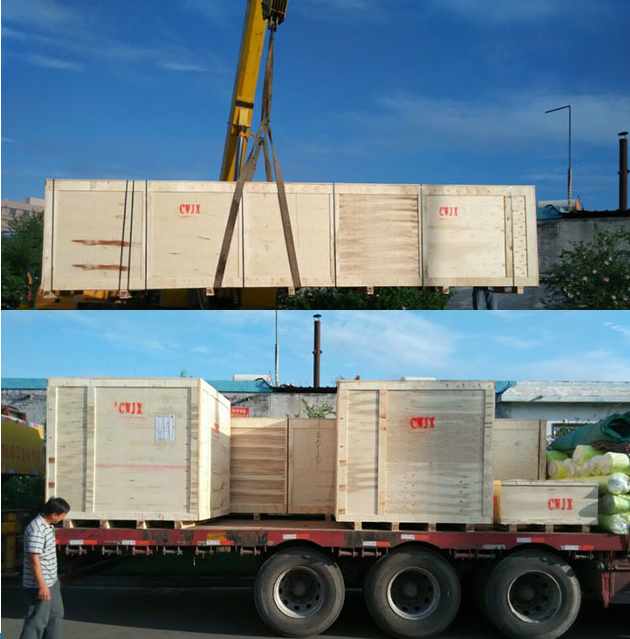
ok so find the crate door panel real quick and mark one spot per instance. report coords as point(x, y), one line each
point(258, 465)
point(143, 450)
point(312, 459)
point(465, 240)
point(98, 233)
point(266, 257)
point(435, 454)
point(362, 452)
point(377, 237)
point(71, 444)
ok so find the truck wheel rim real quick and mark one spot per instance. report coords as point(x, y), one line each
point(413, 593)
point(534, 597)
point(299, 592)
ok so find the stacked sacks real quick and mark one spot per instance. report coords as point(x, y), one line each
point(612, 472)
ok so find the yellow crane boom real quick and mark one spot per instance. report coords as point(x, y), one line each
point(259, 15)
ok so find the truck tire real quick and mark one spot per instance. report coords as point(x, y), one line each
point(532, 594)
point(413, 592)
point(299, 592)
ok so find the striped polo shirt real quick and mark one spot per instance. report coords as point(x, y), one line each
point(39, 538)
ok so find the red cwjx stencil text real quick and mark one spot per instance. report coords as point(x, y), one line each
point(449, 211)
point(190, 209)
point(422, 423)
point(557, 503)
point(239, 411)
point(128, 408)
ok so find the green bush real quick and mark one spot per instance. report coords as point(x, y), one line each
point(21, 254)
point(592, 275)
point(386, 298)
point(23, 492)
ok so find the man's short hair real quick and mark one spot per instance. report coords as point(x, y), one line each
point(56, 506)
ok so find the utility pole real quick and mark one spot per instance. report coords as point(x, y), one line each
point(570, 176)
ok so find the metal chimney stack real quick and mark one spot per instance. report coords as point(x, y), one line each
point(623, 170)
point(317, 350)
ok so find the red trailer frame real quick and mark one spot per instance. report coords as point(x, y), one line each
point(611, 553)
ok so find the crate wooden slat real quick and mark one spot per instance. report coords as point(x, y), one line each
point(519, 449)
point(311, 467)
point(545, 502)
point(259, 465)
point(138, 449)
point(146, 235)
point(414, 451)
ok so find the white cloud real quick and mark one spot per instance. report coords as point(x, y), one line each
point(488, 12)
point(394, 343)
point(334, 10)
point(178, 66)
point(53, 63)
point(619, 328)
point(502, 120)
point(43, 14)
point(594, 365)
point(515, 342)
point(202, 350)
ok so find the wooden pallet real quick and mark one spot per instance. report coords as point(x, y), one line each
point(547, 528)
point(276, 516)
point(419, 527)
point(140, 524)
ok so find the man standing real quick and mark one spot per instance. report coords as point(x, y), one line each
point(45, 606)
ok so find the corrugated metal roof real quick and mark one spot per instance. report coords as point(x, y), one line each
point(23, 383)
point(223, 386)
point(577, 392)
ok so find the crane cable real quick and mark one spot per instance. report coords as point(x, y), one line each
point(262, 139)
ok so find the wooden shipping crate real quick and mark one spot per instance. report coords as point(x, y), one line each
point(126, 235)
point(311, 468)
point(138, 449)
point(259, 465)
point(545, 502)
point(414, 451)
point(519, 449)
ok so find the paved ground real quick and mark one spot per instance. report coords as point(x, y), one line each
point(529, 300)
point(115, 612)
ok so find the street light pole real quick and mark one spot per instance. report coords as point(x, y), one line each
point(570, 176)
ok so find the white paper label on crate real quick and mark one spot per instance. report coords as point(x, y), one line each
point(165, 428)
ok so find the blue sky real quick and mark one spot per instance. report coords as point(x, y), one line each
point(533, 345)
point(419, 91)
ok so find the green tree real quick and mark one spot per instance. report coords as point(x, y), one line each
point(385, 298)
point(21, 256)
point(593, 275)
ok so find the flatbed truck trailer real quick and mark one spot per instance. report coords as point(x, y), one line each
point(529, 583)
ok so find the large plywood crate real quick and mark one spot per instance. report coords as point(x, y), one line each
point(551, 503)
point(133, 235)
point(519, 449)
point(414, 451)
point(138, 449)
